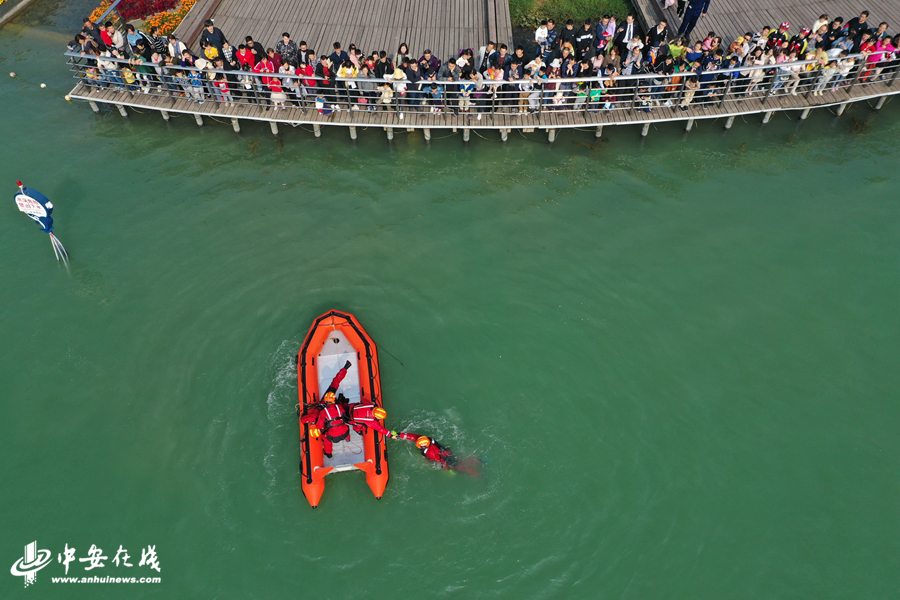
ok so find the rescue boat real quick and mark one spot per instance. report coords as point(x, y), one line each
point(334, 339)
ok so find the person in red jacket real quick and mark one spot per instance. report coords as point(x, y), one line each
point(431, 449)
point(363, 416)
point(329, 418)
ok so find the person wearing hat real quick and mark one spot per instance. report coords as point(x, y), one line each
point(288, 50)
point(328, 417)
point(400, 88)
point(800, 42)
point(430, 449)
point(212, 36)
point(693, 12)
point(776, 38)
point(365, 416)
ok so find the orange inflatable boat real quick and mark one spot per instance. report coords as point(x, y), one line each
point(334, 339)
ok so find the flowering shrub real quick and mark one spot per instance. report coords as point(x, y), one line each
point(168, 21)
point(140, 9)
point(98, 12)
point(161, 10)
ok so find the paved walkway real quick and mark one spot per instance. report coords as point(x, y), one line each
point(442, 26)
point(731, 18)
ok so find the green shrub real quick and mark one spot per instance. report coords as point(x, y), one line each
point(529, 13)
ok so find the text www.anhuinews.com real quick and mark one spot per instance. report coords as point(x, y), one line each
point(97, 579)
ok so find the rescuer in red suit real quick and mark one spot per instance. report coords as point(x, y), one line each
point(329, 418)
point(431, 449)
point(363, 416)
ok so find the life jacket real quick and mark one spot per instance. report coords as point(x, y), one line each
point(334, 414)
point(362, 413)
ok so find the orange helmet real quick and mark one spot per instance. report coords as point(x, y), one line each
point(328, 397)
point(423, 442)
point(379, 413)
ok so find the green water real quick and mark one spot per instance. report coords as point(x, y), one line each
point(678, 356)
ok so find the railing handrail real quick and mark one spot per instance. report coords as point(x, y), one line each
point(111, 8)
point(486, 82)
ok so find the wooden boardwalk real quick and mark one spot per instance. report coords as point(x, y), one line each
point(442, 26)
point(548, 120)
point(731, 18)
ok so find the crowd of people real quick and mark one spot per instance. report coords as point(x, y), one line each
point(564, 68)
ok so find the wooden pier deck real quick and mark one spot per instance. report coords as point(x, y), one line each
point(731, 18)
point(442, 26)
point(550, 121)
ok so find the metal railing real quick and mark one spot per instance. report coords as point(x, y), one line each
point(112, 14)
point(738, 87)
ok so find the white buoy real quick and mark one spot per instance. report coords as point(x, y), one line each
point(12, 74)
point(43, 85)
point(68, 98)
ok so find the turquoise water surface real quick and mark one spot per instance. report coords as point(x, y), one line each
point(677, 355)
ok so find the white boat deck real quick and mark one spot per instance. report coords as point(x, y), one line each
point(336, 352)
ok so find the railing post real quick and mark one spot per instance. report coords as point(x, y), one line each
point(859, 70)
point(727, 89)
point(681, 91)
point(634, 95)
point(541, 105)
point(894, 78)
point(771, 87)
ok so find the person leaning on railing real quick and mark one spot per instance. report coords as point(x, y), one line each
point(761, 65)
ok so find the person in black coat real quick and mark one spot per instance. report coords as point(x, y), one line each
point(625, 33)
point(212, 36)
point(658, 35)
